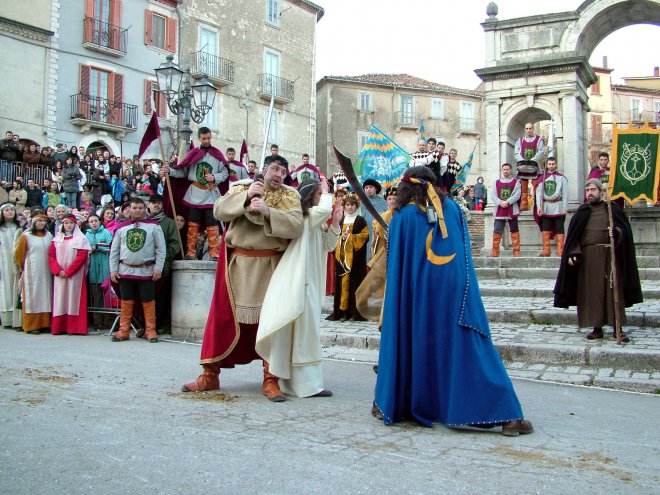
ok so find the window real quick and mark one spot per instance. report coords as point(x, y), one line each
point(272, 63)
point(467, 116)
point(596, 128)
point(364, 102)
point(437, 108)
point(100, 95)
point(160, 31)
point(273, 12)
point(407, 109)
point(635, 109)
point(154, 98)
point(362, 139)
point(273, 134)
point(210, 119)
point(656, 112)
point(595, 87)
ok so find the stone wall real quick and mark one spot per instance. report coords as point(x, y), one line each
point(476, 231)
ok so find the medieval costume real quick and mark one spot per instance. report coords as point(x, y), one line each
point(587, 283)
point(507, 190)
point(99, 268)
point(202, 194)
point(379, 204)
point(69, 254)
point(350, 263)
point(552, 199)
point(289, 336)
point(438, 366)
point(250, 252)
point(448, 179)
point(138, 248)
point(9, 232)
point(237, 171)
point(306, 171)
point(31, 256)
point(528, 152)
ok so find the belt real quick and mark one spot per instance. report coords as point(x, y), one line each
point(256, 253)
point(143, 265)
point(556, 200)
point(209, 187)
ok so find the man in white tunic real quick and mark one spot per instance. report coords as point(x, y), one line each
point(552, 206)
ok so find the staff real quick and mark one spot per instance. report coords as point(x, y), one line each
point(615, 284)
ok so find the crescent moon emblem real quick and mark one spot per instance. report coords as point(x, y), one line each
point(434, 258)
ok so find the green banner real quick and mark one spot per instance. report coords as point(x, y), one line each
point(635, 163)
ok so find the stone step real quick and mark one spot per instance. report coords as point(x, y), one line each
point(546, 273)
point(541, 262)
point(542, 288)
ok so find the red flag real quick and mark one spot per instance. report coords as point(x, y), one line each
point(244, 150)
point(150, 135)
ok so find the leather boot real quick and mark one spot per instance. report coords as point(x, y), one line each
point(214, 242)
point(191, 241)
point(125, 318)
point(560, 244)
point(495, 250)
point(524, 186)
point(149, 309)
point(271, 387)
point(515, 240)
point(208, 380)
point(546, 243)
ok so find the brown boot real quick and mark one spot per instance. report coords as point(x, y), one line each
point(560, 244)
point(125, 317)
point(515, 239)
point(149, 309)
point(214, 242)
point(524, 186)
point(495, 250)
point(191, 241)
point(271, 387)
point(208, 380)
point(546, 243)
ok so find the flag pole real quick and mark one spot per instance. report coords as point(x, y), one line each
point(169, 190)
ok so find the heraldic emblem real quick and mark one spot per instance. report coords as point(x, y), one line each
point(505, 193)
point(203, 168)
point(550, 187)
point(635, 163)
point(135, 239)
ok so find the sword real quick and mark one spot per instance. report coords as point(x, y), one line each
point(347, 167)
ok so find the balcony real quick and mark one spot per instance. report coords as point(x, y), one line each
point(104, 37)
point(280, 88)
point(407, 119)
point(219, 70)
point(99, 113)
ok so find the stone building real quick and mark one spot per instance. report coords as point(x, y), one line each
point(253, 50)
point(396, 104)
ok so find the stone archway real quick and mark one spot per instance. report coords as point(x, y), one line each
point(537, 69)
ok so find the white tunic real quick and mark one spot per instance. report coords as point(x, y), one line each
point(289, 336)
point(37, 280)
point(7, 267)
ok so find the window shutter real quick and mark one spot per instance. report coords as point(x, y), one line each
point(115, 13)
point(83, 92)
point(114, 30)
point(89, 22)
point(170, 33)
point(118, 94)
point(147, 97)
point(162, 105)
point(148, 27)
point(89, 8)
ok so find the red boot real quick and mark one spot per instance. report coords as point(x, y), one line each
point(208, 380)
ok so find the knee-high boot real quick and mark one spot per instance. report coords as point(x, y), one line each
point(546, 243)
point(149, 309)
point(524, 187)
point(560, 243)
point(208, 380)
point(213, 234)
point(515, 240)
point(125, 317)
point(495, 250)
point(191, 241)
point(271, 387)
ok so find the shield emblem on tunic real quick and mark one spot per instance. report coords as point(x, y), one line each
point(203, 168)
point(505, 193)
point(304, 175)
point(135, 239)
point(529, 153)
point(550, 187)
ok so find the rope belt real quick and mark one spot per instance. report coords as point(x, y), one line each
point(256, 253)
point(143, 265)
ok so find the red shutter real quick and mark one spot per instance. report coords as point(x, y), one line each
point(147, 97)
point(170, 33)
point(148, 27)
point(162, 105)
point(89, 21)
point(117, 95)
point(114, 31)
point(83, 92)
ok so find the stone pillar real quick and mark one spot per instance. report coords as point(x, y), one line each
point(493, 162)
point(192, 290)
point(573, 147)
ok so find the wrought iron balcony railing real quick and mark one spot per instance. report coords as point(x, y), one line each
point(270, 85)
point(407, 119)
point(104, 36)
point(216, 68)
point(102, 111)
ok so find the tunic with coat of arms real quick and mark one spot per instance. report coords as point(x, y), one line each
point(136, 244)
point(554, 188)
point(201, 193)
point(508, 190)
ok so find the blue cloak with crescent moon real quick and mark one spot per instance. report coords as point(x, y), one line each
point(437, 361)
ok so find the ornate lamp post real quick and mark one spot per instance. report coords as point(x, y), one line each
point(191, 102)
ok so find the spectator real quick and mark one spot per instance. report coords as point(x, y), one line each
point(71, 176)
point(34, 194)
point(73, 153)
point(9, 147)
point(60, 154)
point(31, 155)
point(86, 202)
point(99, 239)
point(480, 194)
point(108, 219)
point(9, 232)
point(46, 157)
point(56, 175)
point(87, 164)
point(471, 200)
point(18, 196)
point(117, 187)
point(53, 197)
point(50, 218)
point(60, 212)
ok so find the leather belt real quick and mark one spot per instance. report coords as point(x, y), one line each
point(209, 187)
point(143, 265)
point(256, 253)
point(556, 200)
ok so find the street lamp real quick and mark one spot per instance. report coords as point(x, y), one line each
point(191, 102)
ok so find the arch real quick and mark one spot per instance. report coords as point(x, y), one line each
point(110, 143)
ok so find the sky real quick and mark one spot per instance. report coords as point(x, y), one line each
point(444, 42)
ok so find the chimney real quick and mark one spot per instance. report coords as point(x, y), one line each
point(656, 71)
point(604, 61)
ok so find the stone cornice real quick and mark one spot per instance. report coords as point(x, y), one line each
point(24, 30)
point(553, 66)
point(534, 20)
